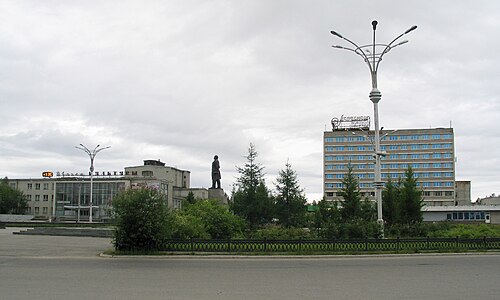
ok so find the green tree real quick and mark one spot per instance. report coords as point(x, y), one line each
point(411, 199)
point(351, 203)
point(190, 198)
point(290, 200)
point(250, 198)
point(391, 203)
point(143, 221)
point(12, 201)
point(216, 219)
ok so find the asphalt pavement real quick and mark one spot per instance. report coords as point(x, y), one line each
point(45, 267)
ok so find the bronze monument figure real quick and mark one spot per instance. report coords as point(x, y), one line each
point(216, 173)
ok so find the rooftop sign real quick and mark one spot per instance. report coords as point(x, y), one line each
point(346, 123)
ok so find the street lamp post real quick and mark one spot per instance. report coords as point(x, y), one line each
point(91, 154)
point(372, 55)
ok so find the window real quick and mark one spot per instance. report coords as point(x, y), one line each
point(425, 146)
point(447, 155)
point(393, 156)
point(415, 156)
point(448, 174)
point(403, 156)
point(37, 210)
point(37, 186)
point(340, 148)
point(426, 156)
point(447, 146)
point(436, 146)
point(436, 136)
point(425, 166)
point(447, 165)
point(329, 167)
point(415, 147)
point(383, 147)
point(329, 157)
point(447, 136)
point(329, 148)
point(45, 197)
point(350, 148)
point(394, 166)
point(426, 193)
point(425, 137)
point(448, 184)
point(426, 184)
point(329, 185)
point(394, 175)
point(438, 193)
point(350, 139)
point(361, 157)
point(403, 166)
point(414, 137)
point(393, 147)
point(436, 155)
point(404, 147)
point(37, 197)
point(426, 175)
point(339, 185)
point(437, 174)
point(360, 167)
point(147, 173)
point(448, 193)
point(30, 186)
point(339, 167)
point(329, 194)
point(361, 148)
point(384, 166)
point(361, 138)
point(329, 176)
point(45, 210)
point(415, 166)
point(28, 197)
point(437, 165)
point(339, 176)
point(361, 175)
point(438, 184)
point(329, 140)
point(404, 137)
point(393, 137)
point(45, 186)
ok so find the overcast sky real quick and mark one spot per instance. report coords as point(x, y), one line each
point(183, 80)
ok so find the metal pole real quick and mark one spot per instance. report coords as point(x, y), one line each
point(91, 155)
point(372, 57)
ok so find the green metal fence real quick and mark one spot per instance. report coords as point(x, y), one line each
point(333, 246)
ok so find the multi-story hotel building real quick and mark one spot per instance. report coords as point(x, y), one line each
point(429, 152)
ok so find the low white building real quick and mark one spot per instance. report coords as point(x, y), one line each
point(463, 213)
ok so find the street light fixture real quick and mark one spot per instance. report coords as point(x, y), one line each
point(91, 154)
point(372, 55)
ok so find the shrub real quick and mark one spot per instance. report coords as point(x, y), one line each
point(143, 220)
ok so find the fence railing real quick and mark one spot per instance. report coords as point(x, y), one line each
point(333, 246)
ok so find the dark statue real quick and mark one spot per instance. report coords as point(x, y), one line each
point(216, 173)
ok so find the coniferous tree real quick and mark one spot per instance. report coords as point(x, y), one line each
point(290, 199)
point(391, 203)
point(411, 199)
point(351, 203)
point(251, 198)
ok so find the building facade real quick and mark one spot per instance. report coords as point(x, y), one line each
point(67, 196)
point(429, 152)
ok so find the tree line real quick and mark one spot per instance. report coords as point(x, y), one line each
point(144, 222)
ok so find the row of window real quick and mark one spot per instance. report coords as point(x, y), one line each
point(436, 165)
point(424, 193)
point(415, 137)
point(37, 197)
point(392, 156)
point(37, 186)
point(394, 175)
point(370, 184)
point(389, 147)
point(466, 215)
point(45, 210)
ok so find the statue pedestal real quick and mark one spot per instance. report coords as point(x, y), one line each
point(219, 195)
